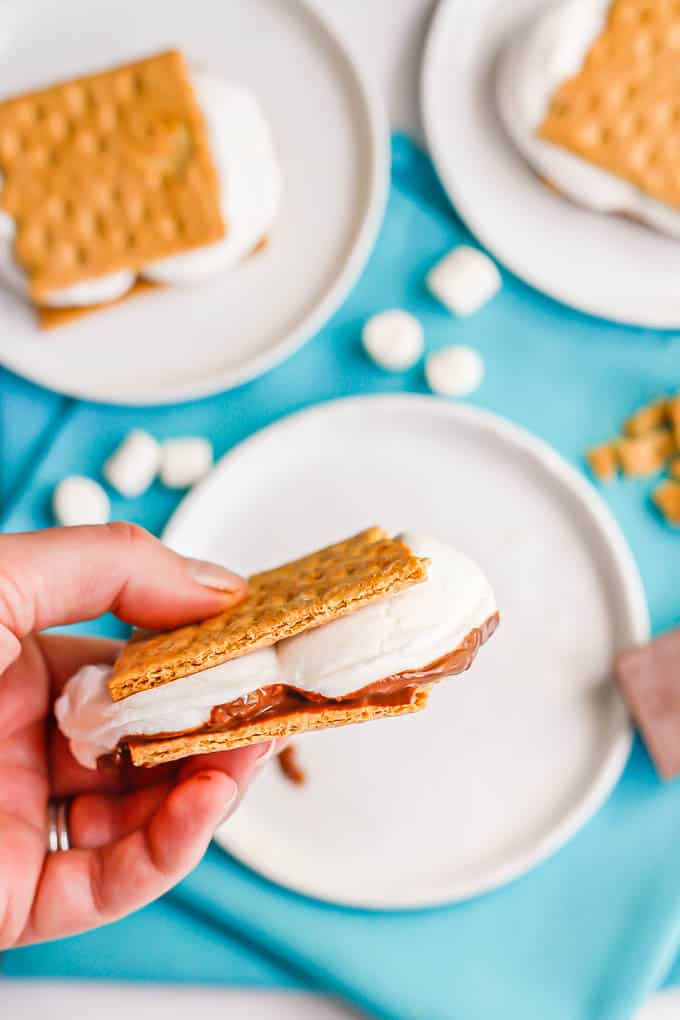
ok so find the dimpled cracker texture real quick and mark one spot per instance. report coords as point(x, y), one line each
point(295, 597)
point(163, 749)
point(621, 112)
point(107, 172)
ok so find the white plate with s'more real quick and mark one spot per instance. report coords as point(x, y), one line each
point(507, 760)
point(187, 191)
point(555, 130)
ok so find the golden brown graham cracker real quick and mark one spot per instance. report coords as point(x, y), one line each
point(107, 172)
point(666, 496)
point(282, 602)
point(165, 749)
point(620, 111)
point(603, 460)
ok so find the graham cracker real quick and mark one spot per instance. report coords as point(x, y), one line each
point(651, 416)
point(673, 412)
point(642, 455)
point(165, 749)
point(620, 111)
point(282, 602)
point(666, 496)
point(51, 318)
point(107, 172)
point(604, 460)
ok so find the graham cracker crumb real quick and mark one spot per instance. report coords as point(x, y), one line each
point(645, 454)
point(666, 496)
point(604, 460)
point(651, 416)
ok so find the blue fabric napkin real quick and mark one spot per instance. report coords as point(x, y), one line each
point(585, 936)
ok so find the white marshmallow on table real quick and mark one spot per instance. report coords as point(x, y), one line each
point(133, 466)
point(454, 371)
point(80, 500)
point(464, 280)
point(393, 339)
point(185, 460)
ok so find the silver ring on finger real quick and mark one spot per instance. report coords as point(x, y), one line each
point(58, 837)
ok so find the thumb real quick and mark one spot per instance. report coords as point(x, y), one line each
point(62, 575)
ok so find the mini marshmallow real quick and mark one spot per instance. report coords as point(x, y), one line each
point(393, 339)
point(133, 466)
point(184, 461)
point(454, 371)
point(464, 280)
point(80, 500)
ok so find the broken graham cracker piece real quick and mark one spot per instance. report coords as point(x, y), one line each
point(649, 679)
point(156, 751)
point(643, 455)
point(604, 460)
point(618, 111)
point(673, 412)
point(666, 496)
point(287, 600)
point(651, 416)
point(107, 172)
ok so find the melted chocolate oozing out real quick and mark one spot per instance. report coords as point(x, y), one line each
point(282, 699)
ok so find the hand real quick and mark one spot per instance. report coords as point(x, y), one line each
point(130, 844)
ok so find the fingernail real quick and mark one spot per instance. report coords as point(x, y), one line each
point(212, 575)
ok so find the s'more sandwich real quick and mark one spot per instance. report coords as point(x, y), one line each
point(587, 90)
point(151, 173)
point(354, 632)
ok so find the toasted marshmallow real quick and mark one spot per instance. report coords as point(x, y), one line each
point(464, 280)
point(133, 466)
point(537, 58)
point(79, 500)
point(407, 631)
point(250, 189)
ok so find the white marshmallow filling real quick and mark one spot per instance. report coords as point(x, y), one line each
point(403, 633)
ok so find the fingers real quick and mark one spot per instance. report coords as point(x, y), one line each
point(68, 777)
point(61, 575)
point(105, 884)
point(98, 818)
point(65, 655)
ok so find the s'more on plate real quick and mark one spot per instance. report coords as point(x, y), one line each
point(152, 173)
point(351, 633)
point(588, 92)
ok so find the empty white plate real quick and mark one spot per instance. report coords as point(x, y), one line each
point(606, 265)
point(508, 760)
point(332, 140)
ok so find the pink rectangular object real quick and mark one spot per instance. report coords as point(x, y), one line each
point(649, 679)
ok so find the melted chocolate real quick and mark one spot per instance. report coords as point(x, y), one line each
point(282, 699)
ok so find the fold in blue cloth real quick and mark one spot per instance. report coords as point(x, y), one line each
point(589, 933)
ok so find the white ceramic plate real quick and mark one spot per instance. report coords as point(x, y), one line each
point(665, 1005)
point(332, 140)
point(508, 761)
point(605, 265)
